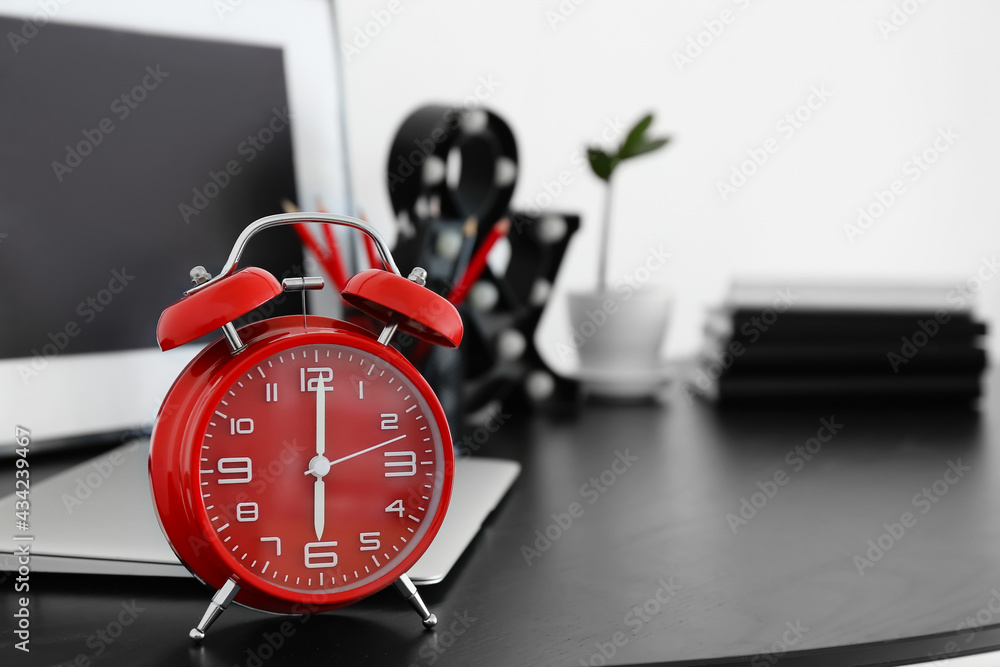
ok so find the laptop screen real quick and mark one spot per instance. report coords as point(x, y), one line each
point(128, 159)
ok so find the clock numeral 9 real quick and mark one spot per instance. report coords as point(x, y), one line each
point(240, 426)
point(236, 466)
point(247, 512)
point(390, 421)
point(370, 541)
point(410, 464)
point(320, 559)
point(396, 506)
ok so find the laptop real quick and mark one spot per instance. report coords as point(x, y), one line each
point(140, 139)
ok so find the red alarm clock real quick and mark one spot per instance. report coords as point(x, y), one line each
point(300, 464)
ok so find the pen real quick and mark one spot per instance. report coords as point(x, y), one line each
point(374, 261)
point(478, 263)
point(330, 259)
point(469, 230)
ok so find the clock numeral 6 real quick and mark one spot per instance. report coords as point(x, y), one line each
point(324, 375)
point(317, 559)
point(396, 506)
point(370, 541)
point(247, 512)
point(410, 464)
point(241, 466)
point(390, 421)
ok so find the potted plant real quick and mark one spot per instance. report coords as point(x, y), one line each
point(603, 164)
point(619, 328)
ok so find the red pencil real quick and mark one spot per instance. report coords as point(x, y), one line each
point(339, 276)
point(329, 259)
point(478, 263)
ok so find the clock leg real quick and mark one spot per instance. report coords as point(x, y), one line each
point(219, 602)
point(410, 594)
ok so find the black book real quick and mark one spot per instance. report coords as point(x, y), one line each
point(854, 388)
point(776, 312)
point(752, 326)
point(842, 358)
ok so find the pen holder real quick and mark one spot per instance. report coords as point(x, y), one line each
point(443, 373)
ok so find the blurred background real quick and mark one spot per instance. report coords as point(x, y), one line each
point(895, 74)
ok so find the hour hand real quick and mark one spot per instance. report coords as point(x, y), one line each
point(319, 465)
point(319, 503)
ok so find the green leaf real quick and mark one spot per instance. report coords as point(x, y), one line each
point(647, 146)
point(601, 163)
point(634, 137)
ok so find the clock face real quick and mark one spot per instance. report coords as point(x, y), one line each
point(321, 469)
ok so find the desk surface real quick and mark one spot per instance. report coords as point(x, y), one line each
point(649, 560)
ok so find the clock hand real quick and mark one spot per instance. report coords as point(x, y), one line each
point(320, 417)
point(364, 451)
point(319, 513)
point(319, 465)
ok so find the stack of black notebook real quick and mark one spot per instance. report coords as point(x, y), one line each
point(862, 344)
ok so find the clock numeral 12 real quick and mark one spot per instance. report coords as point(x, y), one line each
point(320, 559)
point(324, 376)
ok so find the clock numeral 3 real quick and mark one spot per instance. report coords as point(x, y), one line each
point(241, 465)
point(370, 541)
point(410, 464)
point(317, 559)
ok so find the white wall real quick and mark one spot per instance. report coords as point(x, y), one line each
point(559, 84)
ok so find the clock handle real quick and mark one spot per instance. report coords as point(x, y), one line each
point(291, 219)
point(410, 594)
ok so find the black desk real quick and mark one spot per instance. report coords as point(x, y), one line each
point(787, 577)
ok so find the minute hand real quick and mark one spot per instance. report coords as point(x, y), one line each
point(364, 451)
